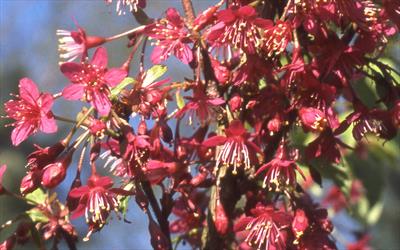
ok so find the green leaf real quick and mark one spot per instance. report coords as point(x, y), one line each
point(36, 197)
point(154, 73)
point(179, 99)
point(126, 82)
point(124, 200)
point(36, 215)
point(375, 213)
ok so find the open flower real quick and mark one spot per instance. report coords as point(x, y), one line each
point(281, 171)
point(172, 38)
point(96, 200)
point(266, 228)
point(202, 105)
point(237, 149)
point(278, 37)
point(239, 29)
point(32, 112)
point(92, 81)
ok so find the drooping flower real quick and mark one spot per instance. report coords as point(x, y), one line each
point(74, 44)
point(325, 147)
point(281, 171)
point(238, 28)
point(237, 150)
point(300, 223)
point(32, 112)
point(202, 105)
point(171, 37)
point(92, 81)
point(277, 37)
point(368, 121)
point(131, 5)
point(96, 200)
point(266, 228)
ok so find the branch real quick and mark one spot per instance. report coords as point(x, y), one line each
point(189, 11)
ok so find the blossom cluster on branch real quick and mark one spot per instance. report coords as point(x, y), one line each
point(272, 95)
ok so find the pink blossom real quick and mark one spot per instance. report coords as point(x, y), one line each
point(92, 81)
point(31, 110)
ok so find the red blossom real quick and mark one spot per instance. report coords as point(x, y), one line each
point(312, 119)
point(266, 228)
point(237, 150)
point(171, 37)
point(238, 29)
point(281, 171)
point(96, 200)
point(278, 37)
point(31, 112)
point(202, 105)
point(92, 81)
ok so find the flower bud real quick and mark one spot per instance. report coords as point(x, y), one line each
point(274, 125)
point(235, 103)
point(142, 128)
point(54, 174)
point(300, 223)
point(44, 156)
point(221, 220)
point(30, 182)
point(313, 119)
point(97, 127)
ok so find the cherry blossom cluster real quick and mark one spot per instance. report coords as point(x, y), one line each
point(235, 147)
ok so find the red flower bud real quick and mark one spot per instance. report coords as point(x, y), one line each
point(142, 128)
point(300, 223)
point(221, 220)
point(30, 182)
point(313, 119)
point(54, 174)
point(97, 127)
point(44, 156)
point(274, 125)
point(235, 102)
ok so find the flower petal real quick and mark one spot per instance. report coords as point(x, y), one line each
point(28, 90)
point(157, 56)
point(48, 124)
point(21, 132)
point(79, 191)
point(184, 53)
point(45, 102)
point(100, 57)
point(101, 103)
point(214, 141)
point(73, 92)
point(115, 76)
point(71, 70)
